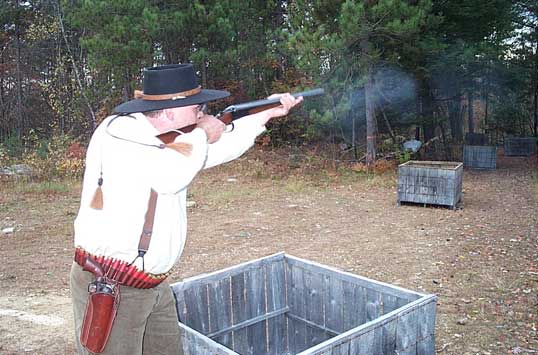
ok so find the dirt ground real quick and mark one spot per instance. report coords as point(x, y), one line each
point(481, 260)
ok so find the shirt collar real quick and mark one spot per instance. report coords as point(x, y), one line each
point(133, 127)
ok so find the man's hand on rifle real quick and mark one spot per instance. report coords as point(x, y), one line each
point(287, 103)
point(212, 126)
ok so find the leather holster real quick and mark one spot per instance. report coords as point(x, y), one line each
point(101, 309)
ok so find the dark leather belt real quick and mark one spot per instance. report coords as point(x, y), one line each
point(121, 271)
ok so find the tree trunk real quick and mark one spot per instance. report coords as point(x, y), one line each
point(454, 117)
point(486, 97)
point(370, 120)
point(93, 121)
point(536, 84)
point(127, 91)
point(426, 111)
point(486, 109)
point(20, 126)
point(470, 111)
point(369, 87)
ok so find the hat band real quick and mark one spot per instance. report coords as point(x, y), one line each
point(138, 94)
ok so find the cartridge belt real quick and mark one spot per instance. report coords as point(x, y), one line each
point(121, 272)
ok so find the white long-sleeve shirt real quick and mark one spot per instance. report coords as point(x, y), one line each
point(130, 171)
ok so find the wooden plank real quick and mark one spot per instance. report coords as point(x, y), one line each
point(353, 306)
point(278, 339)
point(390, 303)
point(374, 304)
point(197, 312)
point(177, 289)
point(389, 337)
point(314, 308)
point(220, 311)
point(195, 343)
point(231, 271)
point(426, 319)
point(276, 300)
point(296, 299)
point(363, 344)
point(275, 285)
point(334, 303)
point(249, 322)
point(406, 333)
point(374, 341)
point(426, 346)
point(239, 307)
point(342, 349)
point(382, 287)
point(256, 308)
point(312, 324)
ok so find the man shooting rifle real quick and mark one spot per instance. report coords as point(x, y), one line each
point(131, 226)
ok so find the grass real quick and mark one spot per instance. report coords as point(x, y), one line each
point(40, 187)
point(221, 194)
point(295, 185)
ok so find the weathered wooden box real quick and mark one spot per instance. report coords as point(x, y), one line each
point(516, 146)
point(480, 157)
point(284, 305)
point(430, 182)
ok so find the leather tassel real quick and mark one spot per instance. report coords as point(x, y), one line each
point(97, 200)
point(183, 148)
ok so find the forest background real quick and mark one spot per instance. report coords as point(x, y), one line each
point(393, 70)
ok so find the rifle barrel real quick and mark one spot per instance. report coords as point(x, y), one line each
point(253, 104)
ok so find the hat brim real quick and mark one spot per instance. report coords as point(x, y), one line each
point(140, 105)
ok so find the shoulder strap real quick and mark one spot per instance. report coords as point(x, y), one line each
point(147, 230)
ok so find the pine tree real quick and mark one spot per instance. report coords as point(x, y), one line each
point(345, 43)
point(119, 38)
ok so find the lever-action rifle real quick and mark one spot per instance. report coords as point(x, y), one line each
point(234, 112)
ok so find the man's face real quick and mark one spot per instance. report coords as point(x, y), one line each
point(179, 117)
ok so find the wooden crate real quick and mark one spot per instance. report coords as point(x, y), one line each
point(480, 157)
point(281, 304)
point(515, 146)
point(430, 182)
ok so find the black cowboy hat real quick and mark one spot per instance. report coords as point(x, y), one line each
point(168, 86)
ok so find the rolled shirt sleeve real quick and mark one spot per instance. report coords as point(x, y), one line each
point(233, 144)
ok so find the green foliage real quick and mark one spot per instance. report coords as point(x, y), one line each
point(404, 156)
point(60, 156)
point(13, 146)
point(340, 49)
point(511, 116)
point(118, 35)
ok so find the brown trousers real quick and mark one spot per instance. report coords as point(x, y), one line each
point(146, 322)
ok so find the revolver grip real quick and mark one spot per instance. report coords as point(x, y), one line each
point(91, 266)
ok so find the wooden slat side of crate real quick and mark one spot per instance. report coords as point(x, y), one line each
point(240, 307)
point(325, 302)
point(520, 146)
point(195, 343)
point(409, 329)
point(438, 183)
point(480, 157)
